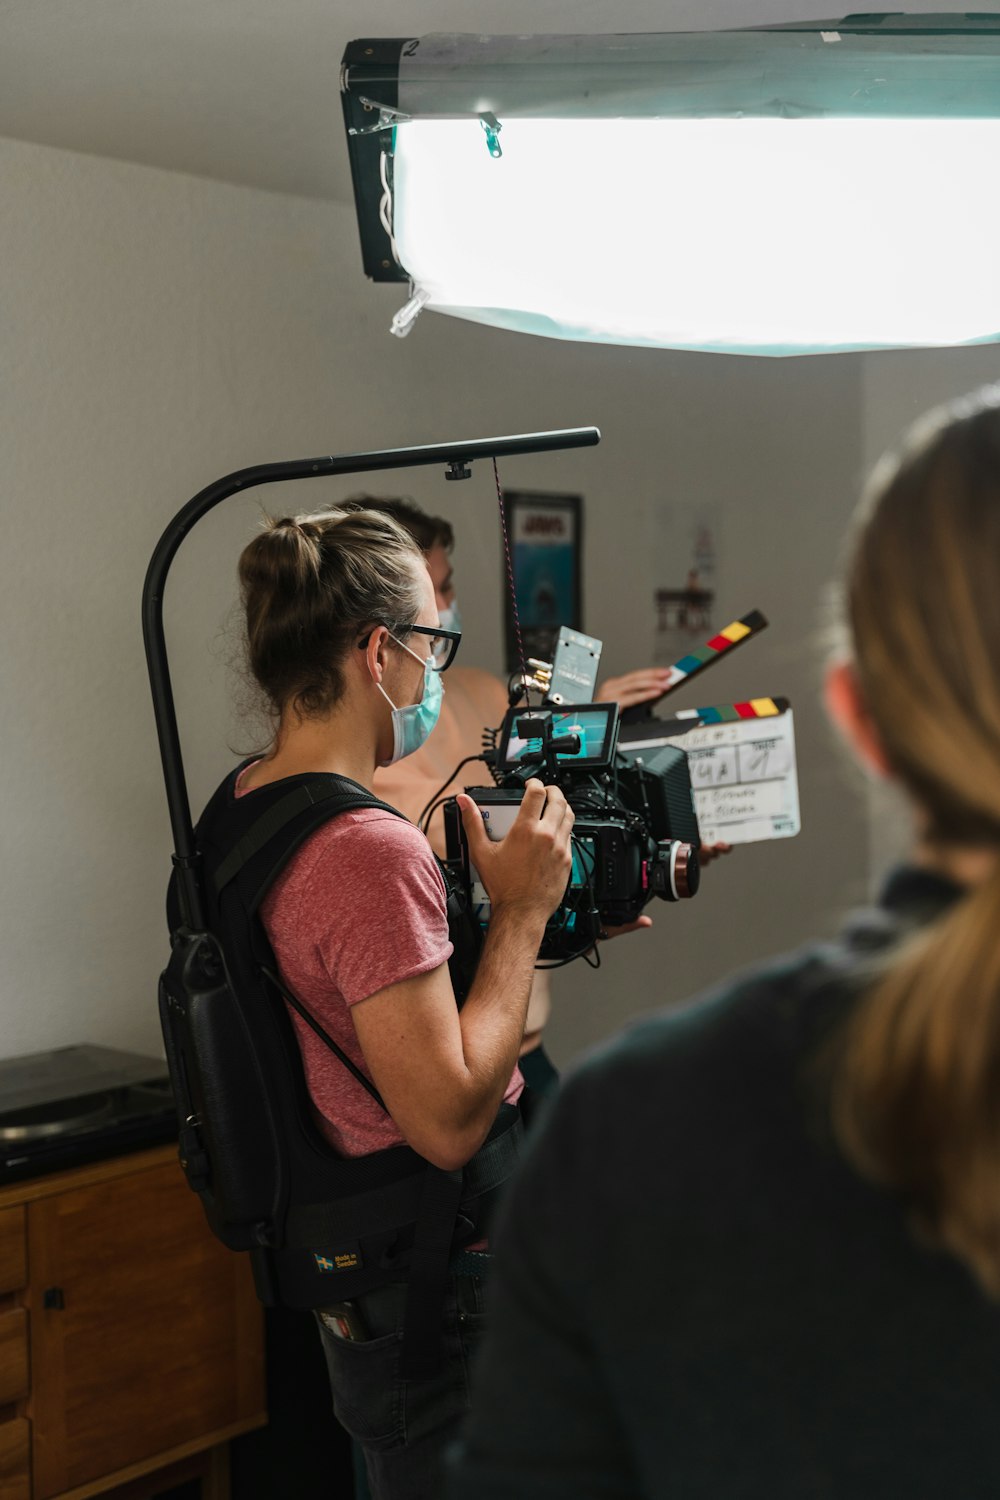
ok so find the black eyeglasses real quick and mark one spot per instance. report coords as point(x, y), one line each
point(442, 644)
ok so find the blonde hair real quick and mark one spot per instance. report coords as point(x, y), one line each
point(310, 585)
point(917, 1087)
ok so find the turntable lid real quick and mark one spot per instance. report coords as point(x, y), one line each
point(71, 1073)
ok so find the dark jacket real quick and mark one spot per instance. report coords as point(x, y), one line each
point(696, 1298)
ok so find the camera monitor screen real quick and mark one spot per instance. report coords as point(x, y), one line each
point(595, 724)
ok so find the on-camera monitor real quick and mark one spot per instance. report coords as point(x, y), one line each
point(596, 725)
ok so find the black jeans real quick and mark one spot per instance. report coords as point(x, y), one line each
point(402, 1425)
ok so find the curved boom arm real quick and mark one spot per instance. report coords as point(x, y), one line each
point(455, 455)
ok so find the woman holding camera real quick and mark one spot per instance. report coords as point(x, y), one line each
point(755, 1251)
point(345, 642)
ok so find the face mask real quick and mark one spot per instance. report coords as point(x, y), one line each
point(450, 617)
point(412, 725)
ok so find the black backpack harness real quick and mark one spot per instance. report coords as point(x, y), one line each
point(320, 1228)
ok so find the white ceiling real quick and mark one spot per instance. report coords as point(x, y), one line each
point(248, 90)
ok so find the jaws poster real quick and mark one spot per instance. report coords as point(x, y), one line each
point(545, 533)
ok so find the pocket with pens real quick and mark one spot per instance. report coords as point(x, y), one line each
point(344, 1321)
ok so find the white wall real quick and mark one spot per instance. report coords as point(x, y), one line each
point(160, 330)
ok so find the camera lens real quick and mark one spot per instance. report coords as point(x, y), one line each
point(686, 871)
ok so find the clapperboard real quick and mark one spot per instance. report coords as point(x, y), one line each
point(741, 758)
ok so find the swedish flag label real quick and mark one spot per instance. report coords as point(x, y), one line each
point(345, 1259)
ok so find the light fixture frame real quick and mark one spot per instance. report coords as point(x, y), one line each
point(866, 64)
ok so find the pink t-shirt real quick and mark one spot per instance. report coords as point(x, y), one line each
point(360, 906)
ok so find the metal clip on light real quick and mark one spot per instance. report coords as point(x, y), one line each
point(492, 126)
point(408, 315)
point(387, 118)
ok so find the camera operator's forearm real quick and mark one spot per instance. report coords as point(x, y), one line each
point(493, 1016)
point(539, 1011)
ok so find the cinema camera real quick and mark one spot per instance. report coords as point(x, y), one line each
point(636, 831)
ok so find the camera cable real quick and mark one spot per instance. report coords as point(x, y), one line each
point(441, 795)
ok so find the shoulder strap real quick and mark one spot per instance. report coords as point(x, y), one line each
point(317, 791)
point(324, 1036)
point(329, 795)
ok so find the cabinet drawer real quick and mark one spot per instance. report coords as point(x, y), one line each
point(156, 1346)
point(15, 1463)
point(13, 1256)
point(13, 1354)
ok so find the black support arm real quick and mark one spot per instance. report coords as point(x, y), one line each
point(449, 454)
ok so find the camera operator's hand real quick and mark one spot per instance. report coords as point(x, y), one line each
point(528, 870)
point(639, 925)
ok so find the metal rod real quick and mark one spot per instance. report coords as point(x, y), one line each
point(185, 855)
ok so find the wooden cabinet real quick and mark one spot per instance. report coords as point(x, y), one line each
point(13, 1354)
point(15, 1460)
point(130, 1339)
point(13, 1250)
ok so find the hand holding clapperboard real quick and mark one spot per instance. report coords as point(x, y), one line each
point(741, 756)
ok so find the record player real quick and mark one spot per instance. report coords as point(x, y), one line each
point(80, 1104)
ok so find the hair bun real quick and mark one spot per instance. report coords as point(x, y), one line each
point(293, 546)
point(302, 525)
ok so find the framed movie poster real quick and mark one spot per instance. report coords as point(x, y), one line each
point(546, 538)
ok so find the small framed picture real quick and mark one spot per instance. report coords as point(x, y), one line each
point(546, 542)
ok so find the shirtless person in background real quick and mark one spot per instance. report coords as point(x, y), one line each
point(475, 699)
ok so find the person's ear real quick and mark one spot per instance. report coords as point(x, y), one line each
point(375, 652)
point(846, 706)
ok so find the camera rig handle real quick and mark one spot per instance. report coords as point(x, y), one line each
point(455, 456)
point(537, 724)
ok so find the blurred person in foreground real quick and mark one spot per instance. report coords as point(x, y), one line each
point(475, 699)
point(755, 1249)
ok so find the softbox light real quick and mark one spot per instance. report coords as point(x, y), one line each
point(771, 191)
